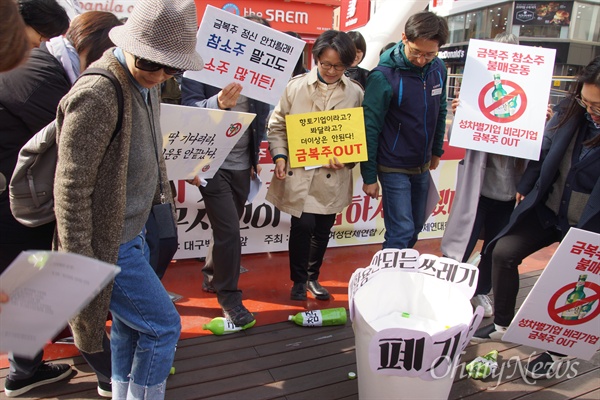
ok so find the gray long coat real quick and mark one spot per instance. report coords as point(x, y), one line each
point(469, 181)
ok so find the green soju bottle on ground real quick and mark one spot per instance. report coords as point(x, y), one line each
point(222, 326)
point(326, 317)
point(482, 367)
point(576, 294)
point(503, 111)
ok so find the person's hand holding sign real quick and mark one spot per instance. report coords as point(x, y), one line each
point(334, 164)
point(280, 168)
point(229, 95)
point(3, 297)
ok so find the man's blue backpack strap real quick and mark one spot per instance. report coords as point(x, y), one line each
point(31, 188)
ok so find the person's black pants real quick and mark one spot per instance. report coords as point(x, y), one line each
point(309, 236)
point(492, 216)
point(224, 198)
point(524, 239)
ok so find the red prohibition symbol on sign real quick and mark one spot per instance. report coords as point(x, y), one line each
point(555, 310)
point(488, 111)
point(233, 129)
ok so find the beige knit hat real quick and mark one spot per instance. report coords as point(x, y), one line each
point(162, 31)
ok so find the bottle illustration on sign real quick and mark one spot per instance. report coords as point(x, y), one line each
point(585, 309)
point(327, 317)
point(506, 109)
point(575, 295)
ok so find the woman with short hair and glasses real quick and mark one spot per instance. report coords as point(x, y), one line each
point(313, 196)
point(560, 191)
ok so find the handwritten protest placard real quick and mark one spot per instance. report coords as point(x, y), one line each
point(236, 49)
point(196, 141)
point(503, 99)
point(315, 138)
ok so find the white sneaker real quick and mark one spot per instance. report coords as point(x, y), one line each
point(491, 332)
point(484, 301)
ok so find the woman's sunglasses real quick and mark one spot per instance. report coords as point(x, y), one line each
point(151, 66)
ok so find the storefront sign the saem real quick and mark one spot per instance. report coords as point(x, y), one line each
point(290, 17)
point(283, 16)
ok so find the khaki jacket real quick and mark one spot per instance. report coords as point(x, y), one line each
point(320, 190)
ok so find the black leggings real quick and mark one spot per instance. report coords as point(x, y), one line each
point(309, 236)
point(525, 238)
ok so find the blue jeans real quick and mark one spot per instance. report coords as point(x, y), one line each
point(404, 197)
point(145, 326)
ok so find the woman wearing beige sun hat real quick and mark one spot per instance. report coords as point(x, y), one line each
point(106, 186)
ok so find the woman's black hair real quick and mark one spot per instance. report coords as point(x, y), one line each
point(359, 42)
point(258, 19)
point(589, 75)
point(386, 47)
point(299, 69)
point(47, 17)
point(338, 41)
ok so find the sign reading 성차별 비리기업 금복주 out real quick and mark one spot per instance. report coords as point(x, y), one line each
point(503, 99)
point(235, 49)
point(561, 312)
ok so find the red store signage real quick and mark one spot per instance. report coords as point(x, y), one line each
point(299, 17)
point(354, 14)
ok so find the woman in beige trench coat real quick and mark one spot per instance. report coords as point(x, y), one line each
point(313, 197)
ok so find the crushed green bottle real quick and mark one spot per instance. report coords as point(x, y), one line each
point(482, 367)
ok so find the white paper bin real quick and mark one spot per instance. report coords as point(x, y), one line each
point(412, 319)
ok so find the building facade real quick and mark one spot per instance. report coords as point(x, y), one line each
point(308, 19)
point(570, 27)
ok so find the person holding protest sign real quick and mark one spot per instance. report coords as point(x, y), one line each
point(560, 191)
point(313, 196)
point(405, 121)
point(108, 181)
point(226, 193)
point(485, 198)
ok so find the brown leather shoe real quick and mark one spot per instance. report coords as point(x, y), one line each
point(317, 290)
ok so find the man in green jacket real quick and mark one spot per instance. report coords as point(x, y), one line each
point(405, 119)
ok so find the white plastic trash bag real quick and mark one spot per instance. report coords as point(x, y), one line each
point(412, 319)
